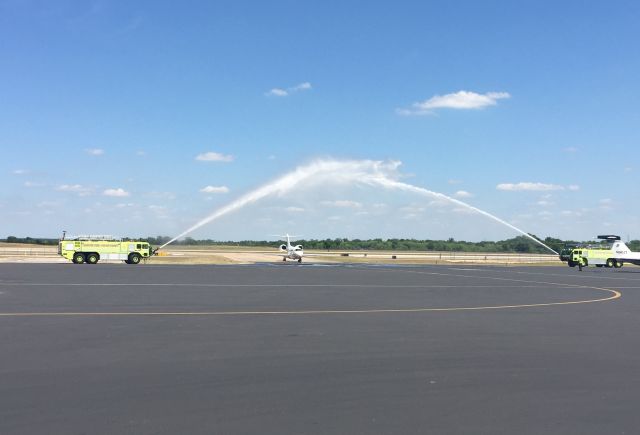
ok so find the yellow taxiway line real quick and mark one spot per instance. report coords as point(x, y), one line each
point(614, 295)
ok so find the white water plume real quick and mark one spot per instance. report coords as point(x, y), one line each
point(368, 172)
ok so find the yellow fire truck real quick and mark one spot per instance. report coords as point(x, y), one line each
point(604, 254)
point(91, 249)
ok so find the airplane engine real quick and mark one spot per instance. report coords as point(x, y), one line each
point(283, 247)
point(298, 248)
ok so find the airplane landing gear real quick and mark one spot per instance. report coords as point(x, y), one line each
point(299, 260)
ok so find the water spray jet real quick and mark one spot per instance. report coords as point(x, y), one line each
point(368, 172)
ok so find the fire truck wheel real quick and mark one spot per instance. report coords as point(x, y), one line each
point(134, 258)
point(610, 262)
point(92, 258)
point(78, 258)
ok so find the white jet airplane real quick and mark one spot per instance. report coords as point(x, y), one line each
point(292, 252)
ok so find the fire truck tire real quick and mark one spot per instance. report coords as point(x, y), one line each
point(134, 258)
point(618, 264)
point(92, 258)
point(610, 262)
point(78, 258)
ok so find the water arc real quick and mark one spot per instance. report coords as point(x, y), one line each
point(368, 172)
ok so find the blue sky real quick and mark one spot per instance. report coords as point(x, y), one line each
point(528, 110)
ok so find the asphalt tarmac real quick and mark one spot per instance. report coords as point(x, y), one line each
point(288, 348)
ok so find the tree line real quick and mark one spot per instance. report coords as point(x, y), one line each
point(519, 244)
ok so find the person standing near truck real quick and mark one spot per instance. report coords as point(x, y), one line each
point(581, 262)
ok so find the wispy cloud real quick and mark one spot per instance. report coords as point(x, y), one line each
point(461, 100)
point(277, 92)
point(344, 203)
point(544, 203)
point(160, 211)
point(570, 150)
point(606, 204)
point(534, 187)
point(575, 213)
point(462, 210)
point(94, 151)
point(462, 194)
point(19, 172)
point(301, 87)
point(214, 157)
point(215, 189)
point(412, 209)
point(282, 92)
point(294, 209)
point(33, 184)
point(545, 213)
point(118, 193)
point(75, 188)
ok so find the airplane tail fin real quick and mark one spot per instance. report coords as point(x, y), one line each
point(286, 237)
point(621, 248)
